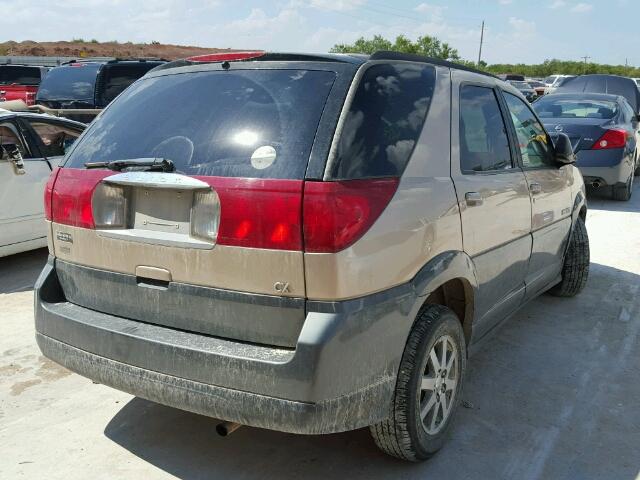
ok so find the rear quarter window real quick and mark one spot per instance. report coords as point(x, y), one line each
point(384, 121)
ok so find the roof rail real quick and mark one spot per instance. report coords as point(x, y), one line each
point(410, 57)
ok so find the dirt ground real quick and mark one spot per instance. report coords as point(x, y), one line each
point(105, 49)
point(554, 395)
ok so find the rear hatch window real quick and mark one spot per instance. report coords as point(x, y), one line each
point(19, 75)
point(73, 82)
point(576, 108)
point(240, 123)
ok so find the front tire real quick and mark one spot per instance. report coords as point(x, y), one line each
point(575, 270)
point(428, 389)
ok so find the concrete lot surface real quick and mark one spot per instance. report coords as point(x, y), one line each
point(554, 395)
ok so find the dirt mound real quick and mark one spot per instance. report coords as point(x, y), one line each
point(93, 48)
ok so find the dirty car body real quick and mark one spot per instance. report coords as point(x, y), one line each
point(274, 277)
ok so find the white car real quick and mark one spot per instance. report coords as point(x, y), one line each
point(31, 145)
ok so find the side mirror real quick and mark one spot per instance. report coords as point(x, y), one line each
point(564, 150)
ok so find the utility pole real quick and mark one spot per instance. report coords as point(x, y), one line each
point(481, 40)
point(585, 58)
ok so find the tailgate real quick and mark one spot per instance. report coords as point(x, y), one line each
point(249, 317)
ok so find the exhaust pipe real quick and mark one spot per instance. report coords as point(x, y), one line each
point(225, 429)
point(596, 184)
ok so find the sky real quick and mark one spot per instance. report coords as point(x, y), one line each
point(528, 31)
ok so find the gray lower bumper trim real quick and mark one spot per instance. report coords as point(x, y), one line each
point(349, 412)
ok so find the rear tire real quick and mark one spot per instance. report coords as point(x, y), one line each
point(622, 193)
point(427, 393)
point(575, 270)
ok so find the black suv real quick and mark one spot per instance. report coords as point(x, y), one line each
point(90, 84)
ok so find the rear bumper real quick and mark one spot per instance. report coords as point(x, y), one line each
point(345, 413)
point(331, 382)
point(605, 176)
point(609, 167)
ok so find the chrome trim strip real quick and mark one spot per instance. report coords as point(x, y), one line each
point(157, 180)
point(154, 237)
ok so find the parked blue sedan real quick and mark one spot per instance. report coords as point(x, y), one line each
point(602, 129)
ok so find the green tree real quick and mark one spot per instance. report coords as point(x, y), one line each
point(433, 47)
point(425, 45)
point(362, 45)
point(566, 67)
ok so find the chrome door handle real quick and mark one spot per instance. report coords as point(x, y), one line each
point(473, 199)
point(535, 188)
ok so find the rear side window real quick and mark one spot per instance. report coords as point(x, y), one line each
point(19, 75)
point(384, 121)
point(237, 123)
point(69, 83)
point(628, 112)
point(484, 145)
point(116, 78)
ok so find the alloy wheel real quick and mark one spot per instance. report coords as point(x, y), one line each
point(439, 384)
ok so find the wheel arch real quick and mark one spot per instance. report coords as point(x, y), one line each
point(449, 279)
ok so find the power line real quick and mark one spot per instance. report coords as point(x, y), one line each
point(414, 12)
point(364, 9)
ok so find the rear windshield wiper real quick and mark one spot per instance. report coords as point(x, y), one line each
point(136, 165)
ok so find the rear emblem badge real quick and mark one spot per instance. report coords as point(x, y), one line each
point(64, 237)
point(559, 128)
point(281, 287)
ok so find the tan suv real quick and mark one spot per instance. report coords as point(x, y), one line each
point(305, 243)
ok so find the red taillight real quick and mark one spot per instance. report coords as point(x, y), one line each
point(226, 56)
point(259, 213)
point(48, 192)
point(30, 98)
point(337, 214)
point(613, 138)
point(254, 213)
point(71, 197)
